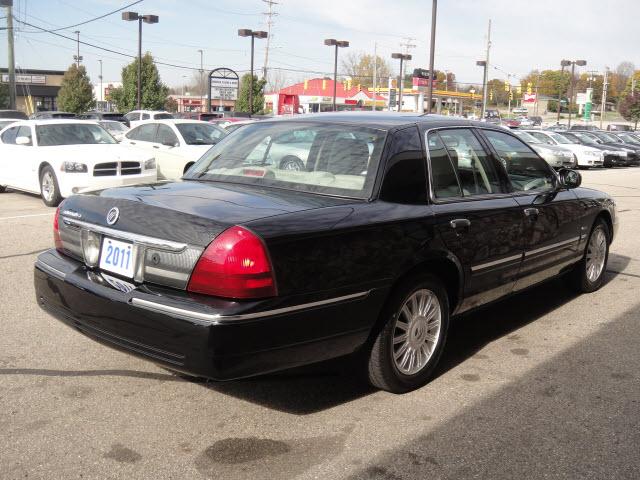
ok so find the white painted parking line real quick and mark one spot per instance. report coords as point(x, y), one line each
point(27, 216)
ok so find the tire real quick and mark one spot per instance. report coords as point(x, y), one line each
point(291, 162)
point(402, 366)
point(3, 188)
point(588, 274)
point(49, 189)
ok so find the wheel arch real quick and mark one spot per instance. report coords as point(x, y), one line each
point(42, 166)
point(605, 215)
point(188, 166)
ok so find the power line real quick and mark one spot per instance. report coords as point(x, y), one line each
point(87, 21)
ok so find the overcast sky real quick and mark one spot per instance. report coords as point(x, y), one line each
point(525, 34)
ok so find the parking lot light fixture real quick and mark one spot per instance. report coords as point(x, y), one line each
point(131, 17)
point(246, 32)
point(402, 57)
point(580, 63)
point(332, 42)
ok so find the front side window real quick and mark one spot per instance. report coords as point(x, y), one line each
point(162, 116)
point(526, 170)
point(143, 133)
point(472, 166)
point(132, 116)
point(72, 134)
point(314, 157)
point(145, 116)
point(9, 137)
point(25, 131)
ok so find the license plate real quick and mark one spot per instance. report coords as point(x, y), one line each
point(118, 284)
point(117, 257)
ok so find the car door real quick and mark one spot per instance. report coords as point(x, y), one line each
point(26, 164)
point(551, 215)
point(10, 154)
point(477, 218)
point(142, 137)
point(168, 151)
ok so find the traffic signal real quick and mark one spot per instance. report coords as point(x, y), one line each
point(507, 86)
point(510, 94)
point(491, 95)
point(306, 84)
point(529, 90)
point(519, 89)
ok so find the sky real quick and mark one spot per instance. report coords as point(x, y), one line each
point(525, 34)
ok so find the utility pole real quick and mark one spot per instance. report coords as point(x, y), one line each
point(434, 8)
point(375, 74)
point(100, 77)
point(201, 86)
point(12, 65)
point(486, 70)
point(77, 57)
point(605, 85)
point(270, 14)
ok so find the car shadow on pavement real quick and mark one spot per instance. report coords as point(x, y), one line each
point(318, 387)
point(573, 416)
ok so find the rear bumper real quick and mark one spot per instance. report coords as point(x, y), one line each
point(213, 338)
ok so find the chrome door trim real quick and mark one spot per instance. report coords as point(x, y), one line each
point(482, 266)
point(553, 246)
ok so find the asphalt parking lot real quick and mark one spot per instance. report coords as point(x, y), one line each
point(543, 385)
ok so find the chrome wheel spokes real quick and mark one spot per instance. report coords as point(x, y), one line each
point(416, 332)
point(596, 255)
point(48, 186)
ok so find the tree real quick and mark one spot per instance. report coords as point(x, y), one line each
point(621, 76)
point(360, 66)
point(4, 95)
point(76, 91)
point(629, 108)
point(171, 105)
point(153, 91)
point(242, 104)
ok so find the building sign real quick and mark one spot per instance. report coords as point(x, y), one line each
point(32, 79)
point(529, 98)
point(224, 84)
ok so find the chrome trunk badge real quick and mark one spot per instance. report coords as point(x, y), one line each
point(113, 215)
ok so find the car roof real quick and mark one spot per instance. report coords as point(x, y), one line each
point(173, 121)
point(148, 111)
point(381, 119)
point(56, 121)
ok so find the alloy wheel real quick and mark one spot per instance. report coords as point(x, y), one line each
point(48, 186)
point(416, 332)
point(596, 254)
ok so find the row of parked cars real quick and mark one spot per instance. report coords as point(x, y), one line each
point(584, 148)
point(56, 154)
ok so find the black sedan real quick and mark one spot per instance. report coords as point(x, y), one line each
point(394, 224)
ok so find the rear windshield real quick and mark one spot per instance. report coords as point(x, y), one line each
point(72, 134)
point(305, 156)
point(162, 116)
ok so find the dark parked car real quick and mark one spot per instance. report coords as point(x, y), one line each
point(610, 141)
point(611, 156)
point(49, 115)
point(112, 116)
point(537, 121)
point(395, 224)
point(619, 127)
point(584, 127)
point(13, 114)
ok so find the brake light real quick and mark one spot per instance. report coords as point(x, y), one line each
point(234, 265)
point(56, 230)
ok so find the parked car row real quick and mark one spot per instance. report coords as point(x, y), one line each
point(388, 227)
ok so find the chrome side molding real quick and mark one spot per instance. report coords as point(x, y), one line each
point(220, 319)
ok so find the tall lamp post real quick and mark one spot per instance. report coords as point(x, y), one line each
point(402, 57)
point(131, 17)
point(332, 42)
point(432, 54)
point(101, 88)
point(483, 63)
point(580, 63)
point(245, 32)
point(201, 81)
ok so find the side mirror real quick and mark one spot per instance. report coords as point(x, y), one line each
point(170, 144)
point(23, 141)
point(570, 178)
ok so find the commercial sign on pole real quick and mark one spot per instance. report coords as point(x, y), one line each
point(587, 105)
point(224, 84)
point(32, 79)
point(529, 98)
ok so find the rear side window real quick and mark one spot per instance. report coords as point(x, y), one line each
point(144, 133)
point(526, 170)
point(469, 164)
point(405, 178)
point(166, 136)
point(162, 116)
point(132, 116)
point(145, 116)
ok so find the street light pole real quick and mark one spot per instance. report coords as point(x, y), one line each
point(101, 89)
point(563, 63)
point(605, 85)
point(434, 8)
point(580, 63)
point(402, 57)
point(201, 86)
point(132, 17)
point(245, 32)
point(330, 42)
point(483, 63)
point(77, 57)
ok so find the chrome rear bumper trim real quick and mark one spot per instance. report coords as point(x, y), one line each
point(219, 319)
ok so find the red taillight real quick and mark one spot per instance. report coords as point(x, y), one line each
point(56, 230)
point(234, 265)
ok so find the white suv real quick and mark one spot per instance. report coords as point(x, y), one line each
point(136, 116)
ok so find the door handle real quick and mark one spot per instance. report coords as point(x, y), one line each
point(460, 223)
point(156, 146)
point(132, 143)
point(531, 212)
